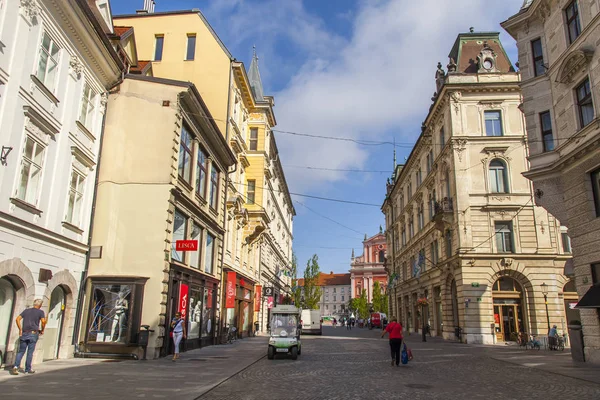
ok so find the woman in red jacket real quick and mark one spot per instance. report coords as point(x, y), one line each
point(395, 330)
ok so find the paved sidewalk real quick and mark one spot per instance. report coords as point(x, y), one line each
point(194, 374)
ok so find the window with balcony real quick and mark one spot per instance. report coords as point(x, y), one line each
point(585, 105)
point(214, 186)
point(86, 114)
point(546, 124)
point(48, 62)
point(159, 41)
point(493, 123)
point(595, 175)
point(504, 237)
point(253, 139)
point(539, 68)
point(191, 47)
point(185, 155)
point(201, 172)
point(573, 23)
point(30, 181)
point(498, 176)
point(74, 204)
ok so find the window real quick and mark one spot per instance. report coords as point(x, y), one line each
point(185, 155)
point(504, 237)
point(334, 290)
point(334, 307)
point(498, 178)
point(595, 273)
point(86, 114)
point(421, 217)
point(214, 186)
point(179, 233)
point(334, 298)
point(251, 192)
point(31, 171)
point(596, 189)
point(448, 243)
point(342, 292)
point(538, 57)
point(75, 198)
point(493, 123)
point(429, 161)
point(419, 177)
point(584, 103)
point(401, 203)
point(48, 63)
point(202, 164)
point(435, 254)
point(573, 24)
point(566, 240)
point(422, 262)
point(158, 47)
point(191, 47)
point(195, 255)
point(327, 306)
point(442, 138)
point(209, 253)
point(409, 191)
point(447, 181)
point(546, 124)
point(254, 139)
point(411, 227)
point(403, 237)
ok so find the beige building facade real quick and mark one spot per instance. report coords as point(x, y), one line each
point(470, 255)
point(559, 61)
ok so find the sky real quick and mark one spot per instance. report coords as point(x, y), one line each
point(357, 69)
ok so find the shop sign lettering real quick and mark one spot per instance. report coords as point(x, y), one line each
point(257, 293)
point(183, 300)
point(186, 245)
point(230, 299)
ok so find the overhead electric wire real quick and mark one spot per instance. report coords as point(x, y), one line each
point(327, 218)
point(336, 169)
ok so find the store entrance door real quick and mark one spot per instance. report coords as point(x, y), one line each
point(509, 322)
point(54, 325)
point(7, 301)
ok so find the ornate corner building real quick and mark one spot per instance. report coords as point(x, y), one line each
point(558, 55)
point(369, 267)
point(470, 255)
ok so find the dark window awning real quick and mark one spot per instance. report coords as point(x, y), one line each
point(591, 299)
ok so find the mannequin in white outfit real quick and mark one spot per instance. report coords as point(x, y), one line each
point(121, 307)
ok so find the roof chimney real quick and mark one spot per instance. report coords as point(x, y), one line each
point(330, 272)
point(148, 7)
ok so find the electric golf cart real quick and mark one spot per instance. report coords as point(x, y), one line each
point(285, 332)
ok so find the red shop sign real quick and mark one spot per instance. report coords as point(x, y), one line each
point(209, 299)
point(230, 299)
point(183, 300)
point(257, 292)
point(270, 302)
point(186, 245)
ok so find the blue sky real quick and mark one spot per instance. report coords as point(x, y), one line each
point(361, 69)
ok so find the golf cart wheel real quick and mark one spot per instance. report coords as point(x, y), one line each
point(294, 353)
point(271, 353)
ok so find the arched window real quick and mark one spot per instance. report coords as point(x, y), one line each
point(381, 256)
point(498, 177)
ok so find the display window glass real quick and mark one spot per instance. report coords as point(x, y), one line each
point(195, 313)
point(207, 313)
point(245, 315)
point(110, 313)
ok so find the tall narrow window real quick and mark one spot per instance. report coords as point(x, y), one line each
point(498, 178)
point(435, 255)
point(419, 177)
point(31, 171)
point(179, 233)
point(595, 175)
point(251, 192)
point(538, 57)
point(254, 139)
point(573, 24)
point(447, 178)
point(185, 155)
point(430, 161)
point(195, 255)
point(209, 253)
point(546, 124)
point(565, 239)
point(584, 103)
point(504, 237)
point(191, 47)
point(448, 243)
point(421, 217)
point(86, 114)
point(75, 198)
point(48, 63)
point(442, 138)
point(493, 123)
point(158, 47)
point(202, 164)
point(214, 186)
point(411, 227)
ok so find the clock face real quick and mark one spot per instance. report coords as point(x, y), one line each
point(487, 64)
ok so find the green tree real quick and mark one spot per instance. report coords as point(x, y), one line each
point(378, 298)
point(362, 305)
point(296, 289)
point(312, 292)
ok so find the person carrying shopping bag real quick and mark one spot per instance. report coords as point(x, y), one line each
point(395, 330)
point(178, 329)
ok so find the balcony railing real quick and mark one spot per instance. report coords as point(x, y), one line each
point(444, 206)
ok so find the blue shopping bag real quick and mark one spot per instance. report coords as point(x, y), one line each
point(404, 355)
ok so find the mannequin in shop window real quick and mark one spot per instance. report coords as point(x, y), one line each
point(120, 316)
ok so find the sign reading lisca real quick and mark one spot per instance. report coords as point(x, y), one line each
point(186, 245)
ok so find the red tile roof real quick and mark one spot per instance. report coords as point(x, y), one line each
point(330, 279)
point(121, 30)
point(140, 67)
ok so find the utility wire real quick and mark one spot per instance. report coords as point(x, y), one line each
point(327, 218)
point(335, 169)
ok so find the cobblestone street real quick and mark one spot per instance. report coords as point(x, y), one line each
point(341, 364)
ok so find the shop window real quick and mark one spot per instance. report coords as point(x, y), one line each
point(195, 313)
point(573, 23)
point(595, 175)
point(115, 312)
point(209, 253)
point(207, 312)
point(179, 233)
point(493, 123)
point(7, 300)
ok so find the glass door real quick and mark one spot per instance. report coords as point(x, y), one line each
point(510, 322)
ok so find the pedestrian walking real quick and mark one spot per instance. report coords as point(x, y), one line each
point(178, 328)
point(334, 322)
point(348, 325)
point(395, 331)
point(28, 323)
point(552, 338)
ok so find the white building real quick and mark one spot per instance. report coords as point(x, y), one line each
point(56, 63)
point(336, 292)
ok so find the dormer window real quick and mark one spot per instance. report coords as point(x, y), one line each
point(487, 59)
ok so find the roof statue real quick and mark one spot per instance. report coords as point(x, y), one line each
point(254, 78)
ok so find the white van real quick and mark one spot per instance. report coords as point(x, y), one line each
point(311, 322)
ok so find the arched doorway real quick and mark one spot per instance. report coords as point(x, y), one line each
point(53, 331)
point(570, 299)
point(507, 296)
point(454, 298)
point(7, 305)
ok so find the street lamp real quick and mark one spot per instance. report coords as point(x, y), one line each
point(545, 293)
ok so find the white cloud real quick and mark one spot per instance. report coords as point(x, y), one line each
point(378, 82)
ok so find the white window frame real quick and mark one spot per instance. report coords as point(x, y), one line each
point(55, 59)
point(26, 197)
point(88, 101)
point(79, 189)
point(505, 227)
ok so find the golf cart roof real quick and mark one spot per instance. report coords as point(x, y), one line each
point(285, 310)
